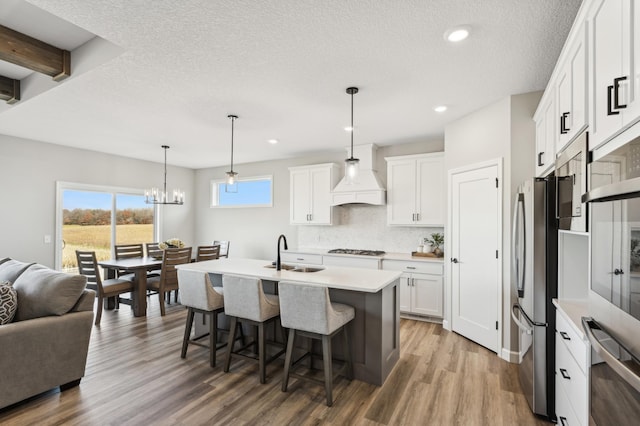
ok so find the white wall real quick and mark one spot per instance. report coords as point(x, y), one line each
point(253, 232)
point(28, 174)
point(503, 130)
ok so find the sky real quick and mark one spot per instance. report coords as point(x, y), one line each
point(101, 200)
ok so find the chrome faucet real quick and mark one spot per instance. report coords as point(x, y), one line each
point(278, 263)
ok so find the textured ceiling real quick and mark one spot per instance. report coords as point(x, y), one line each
point(283, 66)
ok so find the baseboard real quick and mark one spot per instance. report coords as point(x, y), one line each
point(421, 318)
point(446, 325)
point(511, 356)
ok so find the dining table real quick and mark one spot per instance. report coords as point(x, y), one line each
point(139, 266)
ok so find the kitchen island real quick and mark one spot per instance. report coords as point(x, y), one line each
point(375, 330)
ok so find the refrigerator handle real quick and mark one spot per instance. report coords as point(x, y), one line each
point(520, 324)
point(519, 218)
point(531, 322)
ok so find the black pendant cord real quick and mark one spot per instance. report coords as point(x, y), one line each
point(233, 119)
point(164, 187)
point(352, 91)
point(352, 129)
point(232, 122)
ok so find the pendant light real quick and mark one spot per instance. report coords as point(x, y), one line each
point(351, 164)
point(232, 182)
point(155, 196)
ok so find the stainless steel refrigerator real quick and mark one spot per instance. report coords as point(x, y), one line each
point(534, 278)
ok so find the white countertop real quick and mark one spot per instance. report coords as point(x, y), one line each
point(386, 256)
point(354, 279)
point(573, 310)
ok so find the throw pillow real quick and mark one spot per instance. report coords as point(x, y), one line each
point(43, 292)
point(8, 303)
point(11, 269)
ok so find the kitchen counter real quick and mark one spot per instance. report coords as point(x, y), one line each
point(573, 311)
point(375, 330)
point(354, 279)
point(386, 256)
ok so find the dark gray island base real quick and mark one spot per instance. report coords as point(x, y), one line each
point(374, 332)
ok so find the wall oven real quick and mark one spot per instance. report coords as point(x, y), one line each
point(571, 185)
point(615, 379)
point(614, 209)
point(614, 332)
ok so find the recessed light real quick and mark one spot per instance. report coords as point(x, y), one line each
point(440, 108)
point(457, 34)
point(273, 141)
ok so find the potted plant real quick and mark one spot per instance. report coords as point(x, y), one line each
point(436, 241)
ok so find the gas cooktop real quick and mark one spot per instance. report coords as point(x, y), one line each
point(358, 252)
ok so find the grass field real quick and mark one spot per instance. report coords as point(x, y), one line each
point(98, 239)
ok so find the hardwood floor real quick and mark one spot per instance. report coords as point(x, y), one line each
point(135, 376)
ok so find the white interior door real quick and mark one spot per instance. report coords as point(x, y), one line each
point(475, 267)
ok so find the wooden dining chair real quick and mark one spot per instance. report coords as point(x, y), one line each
point(128, 251)
point(88, 266)
point(207, 253)
point(224, 247)
point(154, 250)
point(168, 279)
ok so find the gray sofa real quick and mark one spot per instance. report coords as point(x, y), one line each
point(46, 344)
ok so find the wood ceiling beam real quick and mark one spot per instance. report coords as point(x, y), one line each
point(9, 89)
point(36, 55)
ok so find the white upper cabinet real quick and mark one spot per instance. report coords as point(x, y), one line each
point(310, 194)
point(614, 84)
point(545, 119)
point(572, 91)
point(416, 190)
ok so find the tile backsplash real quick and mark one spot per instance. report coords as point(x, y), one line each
point(363, 227)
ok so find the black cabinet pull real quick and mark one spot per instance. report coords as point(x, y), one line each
point(618, 272)
point(610, 111)
point(563, 123)
point(565, 374)
point(563, 421)
point(564, 335)
point(616, 92)
point(540, 162)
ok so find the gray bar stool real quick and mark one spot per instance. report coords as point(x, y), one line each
point(307, 311)
point(245, 301)
point(198, 294)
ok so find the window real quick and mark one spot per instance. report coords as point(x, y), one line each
point(91, 217)
point(252, 192)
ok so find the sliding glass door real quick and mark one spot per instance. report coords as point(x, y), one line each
point(96, 218)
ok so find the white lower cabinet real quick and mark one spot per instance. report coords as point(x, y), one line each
point(298, 257)
point(421, 287)
point(572, 370)
point(352, 262)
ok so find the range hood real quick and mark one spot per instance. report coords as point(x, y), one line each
point(367, 188)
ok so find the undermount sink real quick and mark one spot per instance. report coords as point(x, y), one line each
point(283, 266)
point(296, 268)
point(306, 269)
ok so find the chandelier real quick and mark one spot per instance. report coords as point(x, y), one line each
point(155, 196)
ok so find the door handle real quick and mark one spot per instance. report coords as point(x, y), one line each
point(610, 111)
point(454, 260)
point(564, 335)
point(563, 123)
point(618, 271)
point(540, 162)
point(616, 92)
point(565, 374)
